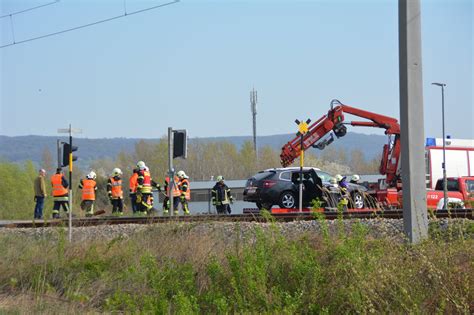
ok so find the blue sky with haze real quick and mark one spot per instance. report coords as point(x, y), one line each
point(192, 64)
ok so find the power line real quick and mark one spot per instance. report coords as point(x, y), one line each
point(90, 24)
point(26, 10)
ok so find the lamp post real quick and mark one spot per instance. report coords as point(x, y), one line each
point(445, 183)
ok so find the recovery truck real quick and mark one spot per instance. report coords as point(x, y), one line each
point(321, 133)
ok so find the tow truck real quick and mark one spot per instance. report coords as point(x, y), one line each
point(321, 133)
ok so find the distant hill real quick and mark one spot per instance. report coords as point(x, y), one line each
point(22, 148)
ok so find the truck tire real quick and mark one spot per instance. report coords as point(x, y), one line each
point(287, 200)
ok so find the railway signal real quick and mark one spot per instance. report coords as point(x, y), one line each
point(68, 158)
point(303, 127)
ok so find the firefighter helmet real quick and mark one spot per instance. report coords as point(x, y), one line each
point(91, 175)
point(181, 174)
point(220, 178)
point(141, 165)
point(355, 178)
point(116, 172)
point(338, 177)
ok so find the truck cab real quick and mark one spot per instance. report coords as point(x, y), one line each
point(458, 187)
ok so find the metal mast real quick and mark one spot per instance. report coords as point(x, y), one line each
point(253, 109)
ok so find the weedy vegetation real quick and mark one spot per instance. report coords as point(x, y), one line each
point(183, 269)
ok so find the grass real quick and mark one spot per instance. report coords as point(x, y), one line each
point(180, 269)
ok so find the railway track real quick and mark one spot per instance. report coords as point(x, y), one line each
point(286, 217)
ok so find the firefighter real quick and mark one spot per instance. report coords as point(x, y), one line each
point(355, 179)
point(133, 183)
point(60, 192)
point(144, 189)
point(221, 197)
point(89, 187)
point(115, 192)
point(343, 186)
point(185, 193)
point(176, 194)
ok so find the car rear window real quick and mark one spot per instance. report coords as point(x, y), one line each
point(263, 175)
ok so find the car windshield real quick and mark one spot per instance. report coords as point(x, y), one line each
point(325, 177)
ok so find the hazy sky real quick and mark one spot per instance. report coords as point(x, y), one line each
point(192, 65)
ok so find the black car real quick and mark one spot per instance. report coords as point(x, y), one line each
point(280, 186)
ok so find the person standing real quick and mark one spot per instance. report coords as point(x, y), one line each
point(133, 183)
point(115, 192)
point(60, 192)
point(89, 187)
point(344, 187)
point(144, 189)
point(176, 194)
point(221, 196)
point(40, 194)
point(185, 193)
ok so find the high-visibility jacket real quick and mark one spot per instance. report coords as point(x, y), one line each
point(176, 192)
point(88, 189)
point(133, 183)
point(58, 188)
point(116, 191)
point(183, 186)
point(144, 182)
point(221, 194)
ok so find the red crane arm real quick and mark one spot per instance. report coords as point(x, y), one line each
point(334, 121)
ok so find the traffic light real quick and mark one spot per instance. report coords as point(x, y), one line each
point(179, 144)
point(66, 148)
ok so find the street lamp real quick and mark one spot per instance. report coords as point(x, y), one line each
point(445, 183)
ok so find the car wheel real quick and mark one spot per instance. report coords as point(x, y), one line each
point(287, 200)
point(265, 205)
point(357, 201)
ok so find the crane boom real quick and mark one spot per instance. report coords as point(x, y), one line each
point(334, 121)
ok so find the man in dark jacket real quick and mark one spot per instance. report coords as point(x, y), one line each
point(221, 197)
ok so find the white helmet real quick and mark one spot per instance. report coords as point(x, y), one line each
point(91, 175)
point(116, 172)
point(181, 174)
point(338, 177)
point(355, 178)
point(333, 182)
point(141, 165)
point(220, 178)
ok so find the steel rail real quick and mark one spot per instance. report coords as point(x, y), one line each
point(287, 217)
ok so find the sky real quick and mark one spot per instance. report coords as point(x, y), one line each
point(191, 65)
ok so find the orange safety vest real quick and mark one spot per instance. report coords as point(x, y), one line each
point(133, 183)
point(116, 188)
point(57, 183)
point(188, 192)
point(176, 192)
point(146, 185)
point(88, 189)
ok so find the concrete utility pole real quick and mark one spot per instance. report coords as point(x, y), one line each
point(411, 121)
point(253, 109)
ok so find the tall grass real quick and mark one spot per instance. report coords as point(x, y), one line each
point(185, 269)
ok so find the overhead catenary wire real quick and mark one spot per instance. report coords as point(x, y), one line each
point(89, 24)
point(26, 10)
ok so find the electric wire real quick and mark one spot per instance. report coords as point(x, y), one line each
point(89, 24)
point(26, 10)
